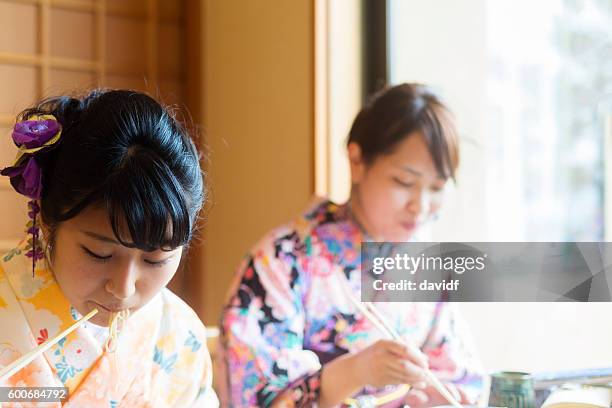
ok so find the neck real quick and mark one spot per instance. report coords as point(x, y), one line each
point(356, 213)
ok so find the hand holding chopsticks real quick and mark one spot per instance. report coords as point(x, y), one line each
point(26, 359)
point(371, 313)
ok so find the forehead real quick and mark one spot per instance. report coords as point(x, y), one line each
point(92, 216)
point(95, 219)
point(412, 152)
point(94, 222)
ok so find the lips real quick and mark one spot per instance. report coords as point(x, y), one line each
point(409, 225)
point(113, 308)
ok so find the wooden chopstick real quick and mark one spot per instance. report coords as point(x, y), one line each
point(430, 375)
point(395, 335)
point(377, 319)
point(24, 360)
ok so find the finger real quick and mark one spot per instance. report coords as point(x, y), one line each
point(417, 356)
point(418, 374)
point(415, 372)
point(452, 388)
point(416, 398)
point(406, 372)
point(420, 385)
point(395, 347)
point(435, 394)
point(396, 371)
point(435, 397)
point(408, 352)
point(393, 375)
point(464, 397)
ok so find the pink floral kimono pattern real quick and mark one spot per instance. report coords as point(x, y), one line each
point(287, 316)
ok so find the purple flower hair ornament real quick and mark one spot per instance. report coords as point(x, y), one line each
point(31, 136)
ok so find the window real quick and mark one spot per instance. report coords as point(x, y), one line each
point(531, 86)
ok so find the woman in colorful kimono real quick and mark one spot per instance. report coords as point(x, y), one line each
point(290, 334)
point(115, 189)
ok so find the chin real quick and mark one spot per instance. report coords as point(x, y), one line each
point(100, 319)
point(403, 236)
point(397, 237)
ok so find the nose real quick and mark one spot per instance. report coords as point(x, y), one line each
point(420, 203)
point(122, 283)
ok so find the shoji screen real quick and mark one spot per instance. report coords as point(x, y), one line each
point(54, 46)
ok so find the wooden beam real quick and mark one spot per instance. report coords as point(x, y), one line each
point(152, 42)
point(71, 64)
point(193, 279)
point(100, 41)
point(19, 59)
point(44, 43)
point(113, 9)
point(320, 52)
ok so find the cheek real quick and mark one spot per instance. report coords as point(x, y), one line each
point(437, 200)
point(385, 199)
point(77, 279)
point(400, 197)
point(152, 281)
point(381, 203)
point(435, 207)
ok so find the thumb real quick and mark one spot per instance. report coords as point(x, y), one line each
point(416, 398)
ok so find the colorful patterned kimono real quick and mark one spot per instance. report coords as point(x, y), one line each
point(287, 316)
point(161, 358)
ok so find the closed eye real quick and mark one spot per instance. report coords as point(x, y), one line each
point(94, 255)
point(158, 263)
point(402, 183)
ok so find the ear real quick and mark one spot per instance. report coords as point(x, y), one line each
point(356, 162)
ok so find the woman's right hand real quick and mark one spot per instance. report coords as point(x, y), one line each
point(388, 362)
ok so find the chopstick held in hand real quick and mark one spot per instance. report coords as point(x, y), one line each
point(24, 360)
point(372, 313)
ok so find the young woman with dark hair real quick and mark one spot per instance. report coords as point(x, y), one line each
point(115, 190)
point(290, 334)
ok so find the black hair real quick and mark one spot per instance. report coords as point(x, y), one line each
point(397, 112)
point(123, 151)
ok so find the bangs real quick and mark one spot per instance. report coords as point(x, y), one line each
point(145, 197)
point(397, 112)
point(442, 139)
point(122, 152)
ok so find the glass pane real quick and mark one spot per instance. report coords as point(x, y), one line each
point(547, 83)
point(531, 86)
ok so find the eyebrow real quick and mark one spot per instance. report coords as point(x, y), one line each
point(104, 238)
point(100, 237)
point(411, 170)
point(416, 172)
